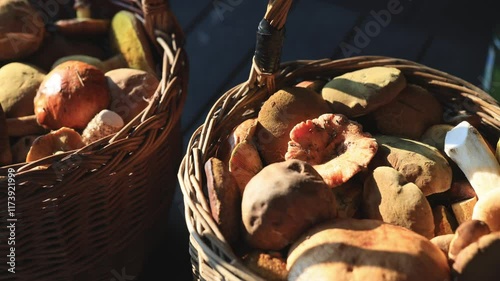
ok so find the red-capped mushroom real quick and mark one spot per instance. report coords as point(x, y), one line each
point(336, 147)
point(71, 95)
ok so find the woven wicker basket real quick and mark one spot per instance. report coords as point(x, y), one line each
point(211, 255)
point(96, 213)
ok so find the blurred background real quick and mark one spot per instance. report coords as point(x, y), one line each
point(458, 37)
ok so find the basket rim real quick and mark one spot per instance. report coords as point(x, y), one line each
point(204, 140)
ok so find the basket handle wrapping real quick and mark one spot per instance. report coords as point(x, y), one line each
point(270, 38)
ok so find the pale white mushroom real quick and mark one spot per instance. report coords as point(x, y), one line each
point(105, 123)
point(465, 145)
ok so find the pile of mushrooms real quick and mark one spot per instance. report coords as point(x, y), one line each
point(69, 82)
point(352, 179)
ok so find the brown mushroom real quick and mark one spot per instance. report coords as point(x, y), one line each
point(443, 242)
point(131, 91)
point(479, 260)
point(61, 140)
point(83, 24)
point(409, 114)
point(282, 201)
point(371, 250)
point(389, 197)
point(336, 147)
point(22, 29)
point(224, 198)
point(243, 131)
point(279, 114)
point(244, 163)
point(420, 163)
point(466, 234)
point(71, 95)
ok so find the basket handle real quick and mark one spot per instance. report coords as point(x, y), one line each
point(270, 37)
point(159, 16)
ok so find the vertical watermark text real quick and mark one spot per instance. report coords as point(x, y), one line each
point(11, 220)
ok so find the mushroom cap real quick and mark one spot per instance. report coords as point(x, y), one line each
point(353, 249)
point(420, 163)
point(244, 163)
point(443, 242)
point(468, 232)
point(410, 113)
point(82, 26)
point(279, 114)
point(336, 146)
point(224, 198)
point(241, 132)
point(131, 90)
point(282, 201)
point(479, 260)
point(362, 91)
point(63, 139)
point(22, 29)
point(71, 95)
point(388, 197)
point(20, 82)
point(128, 38)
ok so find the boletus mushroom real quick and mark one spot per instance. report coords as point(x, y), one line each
point(389, 197)
point(22, 29)
point(279, 114)
point(355, 249)
point(83, 24)
point(71, 95)
point(479, 260)
point(282, 201)
point(131, 91)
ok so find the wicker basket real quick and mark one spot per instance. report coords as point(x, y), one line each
point(212, 257)
point(96, 213)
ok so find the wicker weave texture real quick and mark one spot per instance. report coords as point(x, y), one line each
point(211, 256)
point(91, 213)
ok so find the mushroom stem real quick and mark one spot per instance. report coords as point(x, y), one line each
point(24, 126)
point(466, 147)
point(82, 8)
